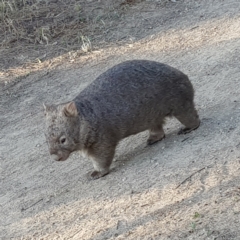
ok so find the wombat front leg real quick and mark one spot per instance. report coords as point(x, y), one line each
point(190, 119)
point(155, 134)
point(101, 158)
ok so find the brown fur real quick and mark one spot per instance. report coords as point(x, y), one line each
point(129, 98)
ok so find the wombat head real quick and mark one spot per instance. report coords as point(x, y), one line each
point(62, 130)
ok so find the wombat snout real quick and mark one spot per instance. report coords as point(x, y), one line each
point(58, 155)
point(55, 157)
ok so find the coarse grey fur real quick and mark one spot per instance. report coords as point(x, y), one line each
point(129, 98)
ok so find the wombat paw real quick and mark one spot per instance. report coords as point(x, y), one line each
point(152, 141)
point(95, 175)
point(186, 130)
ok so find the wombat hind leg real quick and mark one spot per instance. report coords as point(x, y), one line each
point(155, 134)
point(190, 119)
point(101, 159)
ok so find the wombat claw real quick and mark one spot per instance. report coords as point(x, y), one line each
point(186, 130)
point(95, 175)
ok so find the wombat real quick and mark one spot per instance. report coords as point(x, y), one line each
point(129, 98)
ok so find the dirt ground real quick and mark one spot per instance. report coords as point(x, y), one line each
point(184, 187)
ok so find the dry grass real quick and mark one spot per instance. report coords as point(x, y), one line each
point(37, 30)
point(40, 22)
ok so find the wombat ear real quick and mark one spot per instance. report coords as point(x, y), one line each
point(70, 110)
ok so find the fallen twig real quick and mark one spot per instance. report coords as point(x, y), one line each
point(24, 209)
point(192, 175)
point(185, 139)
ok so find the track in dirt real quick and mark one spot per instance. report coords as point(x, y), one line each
point(141, 198)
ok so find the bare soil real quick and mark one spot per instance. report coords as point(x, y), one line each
point(184, 187)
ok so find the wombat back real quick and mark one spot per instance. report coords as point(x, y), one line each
point(133, 95)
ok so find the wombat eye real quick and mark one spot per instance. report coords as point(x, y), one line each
point(62, 140)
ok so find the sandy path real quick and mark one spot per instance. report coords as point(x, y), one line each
point(141, 198)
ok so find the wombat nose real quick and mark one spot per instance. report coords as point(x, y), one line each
point(55, 157)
